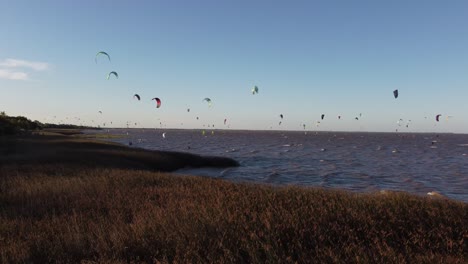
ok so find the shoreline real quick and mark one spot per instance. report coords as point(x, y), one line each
point(75, 148)
point(256, 167)
point(68, 199)
point(292, 131)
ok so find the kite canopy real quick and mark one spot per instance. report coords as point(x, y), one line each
point(137, 97)
point(158, 102)
point(437, 117)
point(322, 116)
point(208, 100)
point(281, 115)
point(255, 90)
point(112, 73)
point(101, 53)
point(225, 121)
point(395, 93)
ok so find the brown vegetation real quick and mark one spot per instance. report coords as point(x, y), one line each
point(79, 152)
point(13, 125)
point(118, 212)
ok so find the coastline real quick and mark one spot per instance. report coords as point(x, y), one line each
point(77, 149)
point(69, 199)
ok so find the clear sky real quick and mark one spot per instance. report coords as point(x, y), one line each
point(338, 58)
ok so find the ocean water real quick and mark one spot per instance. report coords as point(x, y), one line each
point(361, 162)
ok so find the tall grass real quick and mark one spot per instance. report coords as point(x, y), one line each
point(53, 213)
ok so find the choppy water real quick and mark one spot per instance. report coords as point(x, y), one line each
point(415, 163)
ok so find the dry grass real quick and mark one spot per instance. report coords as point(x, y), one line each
point(68, 213)
point(76, 151)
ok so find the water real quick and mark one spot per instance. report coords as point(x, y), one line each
point(363, 162)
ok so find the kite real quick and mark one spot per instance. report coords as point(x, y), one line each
point(112, 73)
point(101, 53)
point(395, 94)
point(208, 100)
point(323, 116)
point(158, 102)
point(137, 97)
point(437, 117)
point(255, 90)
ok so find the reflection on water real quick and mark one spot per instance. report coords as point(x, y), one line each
point(416, 163)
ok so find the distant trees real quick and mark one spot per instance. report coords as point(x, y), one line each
point(10, 125)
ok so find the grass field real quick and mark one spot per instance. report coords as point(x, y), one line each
point(66, 199)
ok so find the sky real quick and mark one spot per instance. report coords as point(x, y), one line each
point(308, 58)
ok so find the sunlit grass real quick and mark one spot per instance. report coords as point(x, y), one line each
point(115, 214)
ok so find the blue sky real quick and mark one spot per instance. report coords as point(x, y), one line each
point(307, 57)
